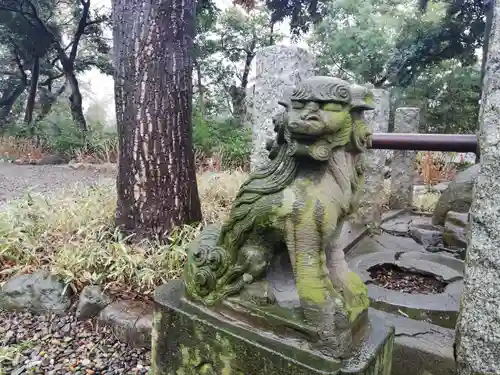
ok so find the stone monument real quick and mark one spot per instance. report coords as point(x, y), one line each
point(370, 210)
point(263, 294)
point(403, 174)
point(278, 69)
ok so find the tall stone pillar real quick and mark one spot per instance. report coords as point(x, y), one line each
point(403, 171)
point(278, 70)
point(478, 326)
point(370, 206)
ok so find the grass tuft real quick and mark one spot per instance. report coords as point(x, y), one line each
point(72, 234)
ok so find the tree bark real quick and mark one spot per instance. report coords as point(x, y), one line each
point(156, 184)
point(75, 98)
point(48, 99)
point(30, 103)
point(8, 101)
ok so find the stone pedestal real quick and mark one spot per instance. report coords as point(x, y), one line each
point(189, 339)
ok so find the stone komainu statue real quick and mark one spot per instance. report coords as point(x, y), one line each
point(285, 216)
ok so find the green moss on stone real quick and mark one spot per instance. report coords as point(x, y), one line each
point(356, 295)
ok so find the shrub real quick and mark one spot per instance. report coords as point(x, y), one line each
point(73, 235)
point(218, 145)
point(58, 134)
point(225, 141)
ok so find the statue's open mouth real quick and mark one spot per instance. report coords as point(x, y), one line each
point(307, 132)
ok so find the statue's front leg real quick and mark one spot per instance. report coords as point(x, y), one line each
point(322, 305)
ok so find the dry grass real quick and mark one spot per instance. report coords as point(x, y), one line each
point(426, 202)
point(434, 167)
point(12, 148)
point(73, 236)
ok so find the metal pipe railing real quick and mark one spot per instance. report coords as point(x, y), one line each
point(426, 142)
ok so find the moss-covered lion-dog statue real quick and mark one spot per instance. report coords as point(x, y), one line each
point(296, 203)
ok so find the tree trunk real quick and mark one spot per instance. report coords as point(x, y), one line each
point(47, 100)
point(156, 184)
point(7, 103)
point(75, 102)
point(30, 103)
point(239, 94)
point(238, 102)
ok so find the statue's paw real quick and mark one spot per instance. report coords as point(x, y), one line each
point(247, 278)
point(259, 292)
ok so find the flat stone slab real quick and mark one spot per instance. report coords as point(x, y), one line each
point(420, 348)
point(383, 242)
point(441, 309)
point(192, 340)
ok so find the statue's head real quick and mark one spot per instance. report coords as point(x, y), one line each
point(321, 115)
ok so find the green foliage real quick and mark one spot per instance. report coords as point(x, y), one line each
point(437, 30)
point(456, 35)
point(448, 96)
point(224, 53)
point(57, 133)
point(224, 138)
point(355, 38)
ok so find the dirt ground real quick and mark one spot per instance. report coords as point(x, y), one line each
point(17, 180)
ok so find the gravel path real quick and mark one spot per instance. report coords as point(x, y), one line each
point(62, 345)
point(47, 345)
point(16, 180)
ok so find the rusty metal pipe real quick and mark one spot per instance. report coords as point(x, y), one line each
point(426, 142)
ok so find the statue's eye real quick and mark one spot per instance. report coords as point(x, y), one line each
point(297, 105)
point(333, 107)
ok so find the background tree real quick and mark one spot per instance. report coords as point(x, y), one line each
point(153, 48)
point(356, 40)
point(50, 40)
point(229, 48)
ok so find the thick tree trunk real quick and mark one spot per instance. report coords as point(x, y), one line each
point(30, 103)
point(156, 184)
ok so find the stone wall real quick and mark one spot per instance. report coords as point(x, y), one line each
point(278, 70)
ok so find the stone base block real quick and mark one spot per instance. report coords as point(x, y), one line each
point(189, 339)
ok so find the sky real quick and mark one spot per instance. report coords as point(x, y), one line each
point(98, 87)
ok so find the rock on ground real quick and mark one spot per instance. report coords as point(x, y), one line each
point(458, 196)
point(455, 230)
point(38, 292)
point(92, 300)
